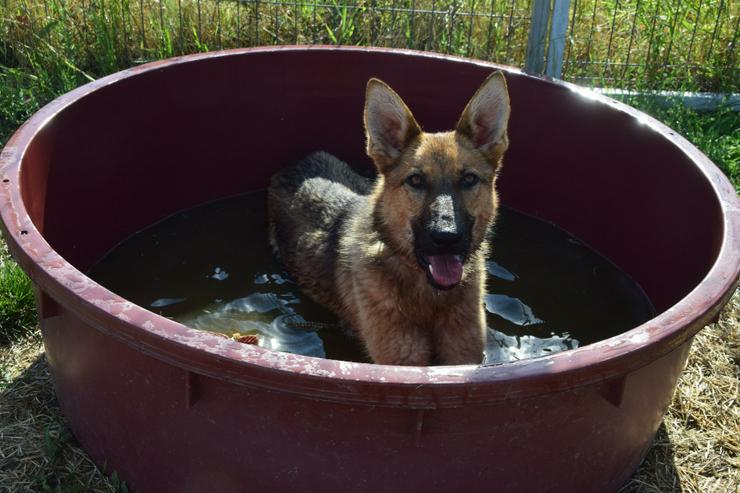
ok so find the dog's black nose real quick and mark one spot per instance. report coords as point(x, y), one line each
point(445, 237)
point(443, 227)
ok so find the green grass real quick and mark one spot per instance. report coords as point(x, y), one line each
point(655, 44)
point(17, 302)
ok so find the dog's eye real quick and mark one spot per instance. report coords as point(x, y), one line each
point(470, 179)
point(415, 181)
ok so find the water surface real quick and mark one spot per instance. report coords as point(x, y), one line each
point(211, 268)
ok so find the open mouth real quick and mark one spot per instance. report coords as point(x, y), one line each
point(443, 271)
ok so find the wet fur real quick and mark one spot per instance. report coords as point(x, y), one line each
point(353, 243)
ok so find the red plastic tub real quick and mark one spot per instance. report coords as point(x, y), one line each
point(175, 409)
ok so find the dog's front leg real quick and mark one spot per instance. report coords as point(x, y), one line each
point(390, 341)
point(460, 335)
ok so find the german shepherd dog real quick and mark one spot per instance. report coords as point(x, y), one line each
point(401, 258)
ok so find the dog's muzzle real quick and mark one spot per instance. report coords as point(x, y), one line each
point(442, 245)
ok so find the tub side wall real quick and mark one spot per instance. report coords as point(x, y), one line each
point(166, 429)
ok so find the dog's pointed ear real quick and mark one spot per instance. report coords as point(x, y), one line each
point(389, 124)
point(486, 117)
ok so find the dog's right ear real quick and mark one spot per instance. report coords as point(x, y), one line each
point(389, 124)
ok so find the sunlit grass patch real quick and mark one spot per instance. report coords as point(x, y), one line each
point(17, 302)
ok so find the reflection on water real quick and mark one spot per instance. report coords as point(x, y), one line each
point(499, 272)
point(211, 268)
point(511, 309)
point(502, 348)
point(162, 302)
point(266, 315)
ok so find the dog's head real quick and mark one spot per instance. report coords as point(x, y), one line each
point(436, 194)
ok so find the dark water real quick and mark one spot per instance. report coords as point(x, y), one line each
point(211, 268)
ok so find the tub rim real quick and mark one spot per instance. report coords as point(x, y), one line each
point(203, 353)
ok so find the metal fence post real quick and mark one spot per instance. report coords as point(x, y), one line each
point(535, 60)
point(558, 33)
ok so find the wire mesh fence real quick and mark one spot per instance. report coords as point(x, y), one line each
point(654, 43)
point(648, 44)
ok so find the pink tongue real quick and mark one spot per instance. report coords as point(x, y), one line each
point(446, 269)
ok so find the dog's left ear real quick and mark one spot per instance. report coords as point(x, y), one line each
point(486, 117)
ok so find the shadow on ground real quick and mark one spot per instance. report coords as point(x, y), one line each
point(658, 472)
point(37, 450)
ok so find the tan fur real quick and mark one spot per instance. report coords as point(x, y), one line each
point(378, 286)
